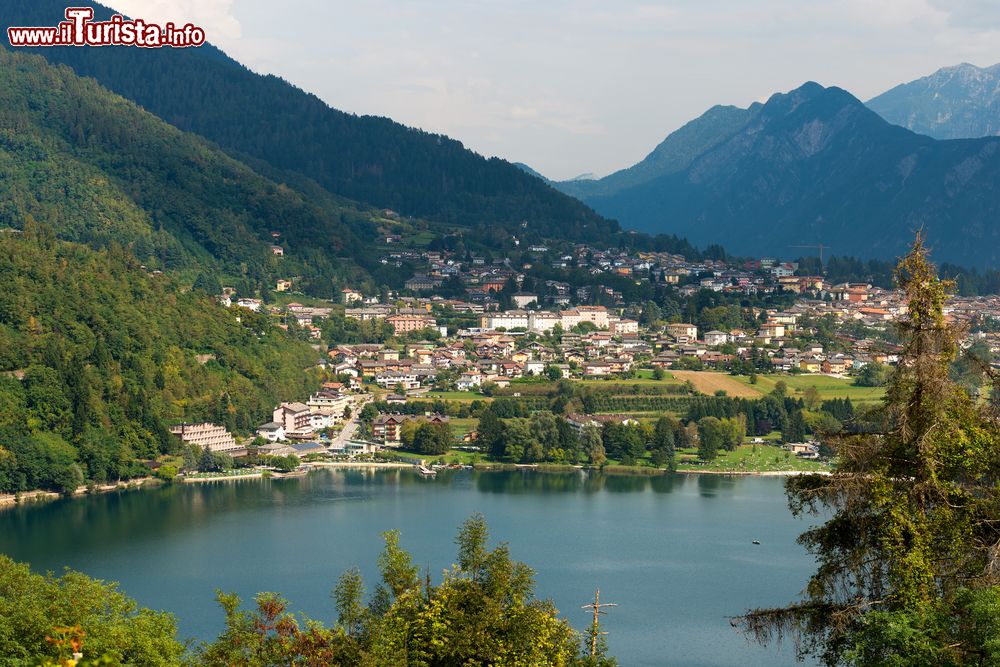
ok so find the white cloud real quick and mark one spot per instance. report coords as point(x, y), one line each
point(214, 16)
point(569, 86)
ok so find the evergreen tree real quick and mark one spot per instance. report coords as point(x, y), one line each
point(907, 558)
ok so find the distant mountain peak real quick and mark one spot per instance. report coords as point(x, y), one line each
point(955, 102)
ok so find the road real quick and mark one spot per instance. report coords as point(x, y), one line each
point(352, 425)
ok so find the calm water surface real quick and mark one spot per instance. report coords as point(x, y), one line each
point(674, 552)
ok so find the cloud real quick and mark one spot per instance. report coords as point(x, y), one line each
point(214, 16)
point(582, 85)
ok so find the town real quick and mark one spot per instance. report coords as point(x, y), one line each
point(475, 335)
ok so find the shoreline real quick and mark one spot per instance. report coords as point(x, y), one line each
point(39, 495)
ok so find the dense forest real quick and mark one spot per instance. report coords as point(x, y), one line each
point(98, 169)
point(98, 358)
point(365, 158)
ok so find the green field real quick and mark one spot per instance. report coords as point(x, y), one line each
point(828, 387)
point(749, 458)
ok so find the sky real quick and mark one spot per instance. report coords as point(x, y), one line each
point(581, 86)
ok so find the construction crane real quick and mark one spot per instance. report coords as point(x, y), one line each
point(821, 247)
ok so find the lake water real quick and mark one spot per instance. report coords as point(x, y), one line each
point(674, 552)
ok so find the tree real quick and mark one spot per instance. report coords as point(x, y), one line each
point(795, 428)
point(105, 622)
point(907, 559)
point(710, 438)
point(489, 433)
point(872, 375)
point(349, 597)
point(592, 445)
point(663, 452)
point(432, 439)
point(811, 397)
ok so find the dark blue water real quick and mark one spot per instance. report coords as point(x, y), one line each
point(674, 552)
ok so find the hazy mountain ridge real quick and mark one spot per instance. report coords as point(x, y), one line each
point(670, 156)
point(958, 102)
point(815, 165)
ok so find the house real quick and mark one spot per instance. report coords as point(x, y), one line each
point(715, 338)
point(283, 286)
point(348, 295)
point(579, 422)
point(596, 369)
point(622, 327)
point(683, 332)
point(810, 365)
point(772, 330)
point(834, 366)
point(805, 450)
point(277, 250)
point(271, 431)
point(534, 367)
point(250, 304)
point(393, 379)
point(469, 381)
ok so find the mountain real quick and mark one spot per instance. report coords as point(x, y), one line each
point(98, 357)
point(528, 170)
point(289, 133)
point(816, 166)
point(672, 155)
point(952, 103)
point(100, 170)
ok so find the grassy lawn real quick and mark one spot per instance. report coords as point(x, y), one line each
point(748, 458)
point(829, 387)
point(460, 426)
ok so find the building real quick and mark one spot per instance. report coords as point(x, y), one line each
point(386, 428)
point(522, 299)
point(620, 327)
point(277, 250)
point(283, 286)
point(714, 338)
point(509, 319)
point(348, 295)
point(423, 283)
point(683, 332)
point(294, 417)
point(393, 379)
point(407, 323)
point(543, 321)
point(216, 438)
point(272, 432)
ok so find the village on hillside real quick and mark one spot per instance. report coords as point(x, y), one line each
point(418, 356)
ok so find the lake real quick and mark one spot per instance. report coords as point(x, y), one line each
point(674, 552)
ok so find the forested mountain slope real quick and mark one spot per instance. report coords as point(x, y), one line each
point(364, 158)
point(98, 357)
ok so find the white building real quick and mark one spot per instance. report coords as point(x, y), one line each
point(713, 338)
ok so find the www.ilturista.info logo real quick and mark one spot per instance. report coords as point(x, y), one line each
point(79, 29)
